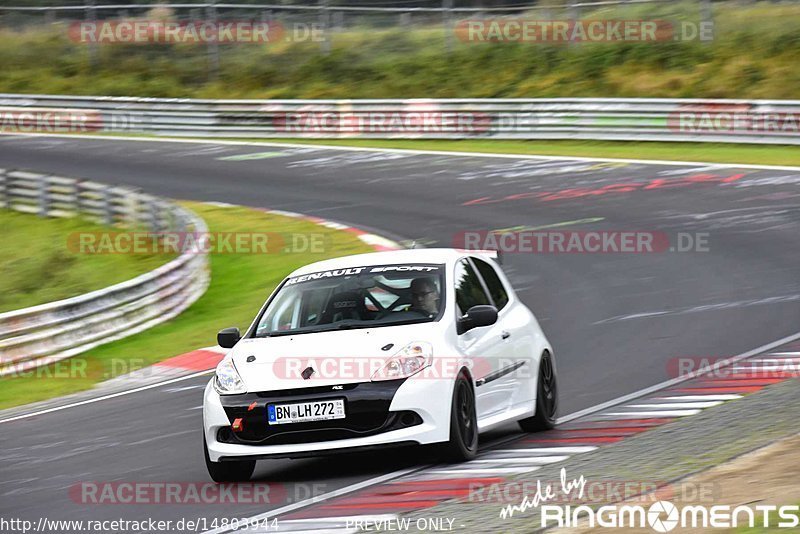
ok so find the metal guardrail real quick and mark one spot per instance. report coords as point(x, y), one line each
point(637, 119)
point(51, 332)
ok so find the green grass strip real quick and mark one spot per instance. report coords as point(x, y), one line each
point(38, 266)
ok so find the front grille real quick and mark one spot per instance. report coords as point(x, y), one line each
point(366, 413)
point(394, 421)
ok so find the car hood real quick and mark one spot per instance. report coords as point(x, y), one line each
point(337, 357)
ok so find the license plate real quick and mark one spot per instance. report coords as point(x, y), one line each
point(303, 412)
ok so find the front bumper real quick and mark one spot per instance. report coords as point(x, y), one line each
point(395, 412)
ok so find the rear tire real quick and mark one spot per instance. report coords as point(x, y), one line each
point(546, 398)
point(463, 444)
point(220, 472)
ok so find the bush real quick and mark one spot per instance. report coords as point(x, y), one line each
point(754, 55)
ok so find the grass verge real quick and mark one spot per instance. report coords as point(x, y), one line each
point(37, 266)
point(773, 529)
point(239, 285)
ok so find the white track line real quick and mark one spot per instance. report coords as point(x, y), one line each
point(786, 362)
point(337, 525)
point(534, 460)
point(548, 450)
point(659, 413)
point(765, 368)
point(105, 397)
point(484, 471)
point(320, 498)
point(731, 396)
point(674, 381)
point(415, 152)
point(675, 405)
point(311, 530)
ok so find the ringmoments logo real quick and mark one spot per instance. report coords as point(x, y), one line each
point(664, 516)
point(660, 516)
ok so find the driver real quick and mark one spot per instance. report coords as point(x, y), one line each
point(424, 296)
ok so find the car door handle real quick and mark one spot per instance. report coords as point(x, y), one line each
point(505, 334)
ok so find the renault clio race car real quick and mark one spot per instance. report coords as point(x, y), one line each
point(411, 347)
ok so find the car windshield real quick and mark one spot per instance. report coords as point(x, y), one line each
point(356, 297)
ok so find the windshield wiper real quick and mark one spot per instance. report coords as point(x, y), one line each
point(279, 333)
point(342, 325)
point(405, 321)
point(347, 325)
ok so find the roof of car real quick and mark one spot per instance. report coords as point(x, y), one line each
point(417, 255)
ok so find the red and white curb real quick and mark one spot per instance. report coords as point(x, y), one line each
point(377, 242)
point(426, 488)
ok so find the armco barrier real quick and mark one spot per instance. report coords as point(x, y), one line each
point(50, 332)
point(740, 121)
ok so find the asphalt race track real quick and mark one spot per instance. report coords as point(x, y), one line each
point(615, 319)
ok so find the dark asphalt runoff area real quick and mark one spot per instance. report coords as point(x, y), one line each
point(615, 320)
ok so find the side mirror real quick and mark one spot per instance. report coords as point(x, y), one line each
point(481, 315)
point(228, 337)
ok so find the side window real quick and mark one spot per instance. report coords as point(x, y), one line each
point(469, 291)
point(493, 282)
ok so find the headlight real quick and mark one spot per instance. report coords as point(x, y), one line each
point(412, 359)
point(227, 380)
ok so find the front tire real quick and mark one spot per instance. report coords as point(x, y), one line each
point(463, 444)
point(546, 398)
point(220, 472)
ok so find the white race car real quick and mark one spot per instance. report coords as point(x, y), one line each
point(410, 347)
